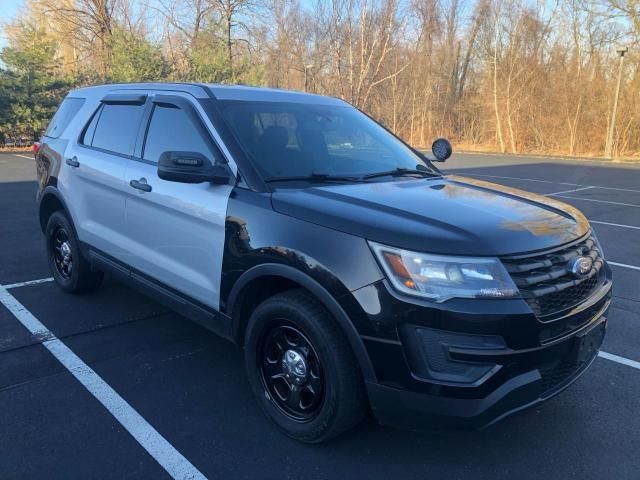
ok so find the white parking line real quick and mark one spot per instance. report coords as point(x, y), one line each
point(577, 198)
point(155, 444)
point(23, 156)
point(30, 282)
point(614, 224)
point(567, 191)
point(600, 201)
point(618, 359)
point(548, 181)
point(175, 464)
point(623, 265)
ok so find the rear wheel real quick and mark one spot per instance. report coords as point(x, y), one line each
point(69, 268)
point(302, 369)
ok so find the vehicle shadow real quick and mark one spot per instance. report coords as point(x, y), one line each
point(529, 444)
point(191, 386)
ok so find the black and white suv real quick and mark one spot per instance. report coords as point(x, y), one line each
point(352, 271)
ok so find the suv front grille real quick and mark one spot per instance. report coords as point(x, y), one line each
point(545, 280)
point(559, 328)
point(556, 376)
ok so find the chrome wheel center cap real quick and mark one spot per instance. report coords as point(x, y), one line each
point(65, 249)
point(294, 367)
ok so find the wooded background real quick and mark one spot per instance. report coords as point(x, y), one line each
point(505, 75)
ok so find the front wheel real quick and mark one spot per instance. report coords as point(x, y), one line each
point(69, 268)
point(302, 369)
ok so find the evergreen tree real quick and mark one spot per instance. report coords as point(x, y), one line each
point(30, 90)
point(135, 59)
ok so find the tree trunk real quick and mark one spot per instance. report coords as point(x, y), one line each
point(228, 19)
point(495, 93)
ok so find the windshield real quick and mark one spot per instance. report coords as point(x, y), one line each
point(292, 139)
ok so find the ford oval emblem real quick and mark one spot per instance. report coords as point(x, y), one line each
point(581, 266)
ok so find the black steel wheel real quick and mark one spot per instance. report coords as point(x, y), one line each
point(302, 369)
point(291, 371)
point(62, 254)
point(71, 271)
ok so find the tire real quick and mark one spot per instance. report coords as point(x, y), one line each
point(332, 395)
point(69, 268)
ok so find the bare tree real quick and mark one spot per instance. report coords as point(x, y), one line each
point(506, 75)
point(90, 22)
point(231, 11)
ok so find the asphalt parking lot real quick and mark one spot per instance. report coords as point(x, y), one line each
point(183, 391)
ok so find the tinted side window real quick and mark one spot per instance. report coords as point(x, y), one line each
point(68, 109)
point(117, 128)
point(171, 129)
point(89, 132)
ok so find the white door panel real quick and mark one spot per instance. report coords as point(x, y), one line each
point(176, 232)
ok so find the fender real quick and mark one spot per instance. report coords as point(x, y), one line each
point(48, 191)
point(325, 298)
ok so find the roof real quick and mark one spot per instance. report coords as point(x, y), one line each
point(220, 92)
point(241, 92)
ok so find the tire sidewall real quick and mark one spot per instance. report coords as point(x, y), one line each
point(59, 219)
point(265, 317)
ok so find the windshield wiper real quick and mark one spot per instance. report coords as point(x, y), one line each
point(399, 172)
point(314, 177)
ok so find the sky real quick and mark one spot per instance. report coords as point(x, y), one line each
point(8, 10)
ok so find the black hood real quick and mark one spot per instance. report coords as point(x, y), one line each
point(449, 215)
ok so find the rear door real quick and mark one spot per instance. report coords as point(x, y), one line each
point(176, 230)
point(96, 165)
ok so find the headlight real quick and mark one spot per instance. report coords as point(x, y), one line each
point(440, 277)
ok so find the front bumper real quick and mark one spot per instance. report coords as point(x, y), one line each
point(516, 361)
point(417, 411)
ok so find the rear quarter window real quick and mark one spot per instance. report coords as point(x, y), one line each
point(67, 110)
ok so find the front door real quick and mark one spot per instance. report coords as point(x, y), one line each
point(176, 230)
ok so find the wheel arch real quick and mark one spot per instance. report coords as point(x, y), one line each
point(52, 201)
point(265, 280)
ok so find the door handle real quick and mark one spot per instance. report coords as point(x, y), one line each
point(73, 162)
point(140, 185)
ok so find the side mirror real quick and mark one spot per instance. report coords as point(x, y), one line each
point(441, 149)
point(191, 167)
